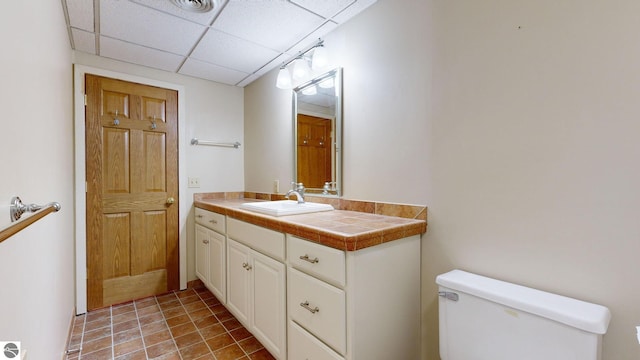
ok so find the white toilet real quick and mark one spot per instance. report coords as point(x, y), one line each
point(488, 319)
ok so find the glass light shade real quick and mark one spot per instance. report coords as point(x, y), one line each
point(284, 79)
point(320, 58)
point(311, 90)
point(300, 69)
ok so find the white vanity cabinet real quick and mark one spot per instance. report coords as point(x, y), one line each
point(210, 251)
point(354, 305)
point(305, 300)
point(257, 283)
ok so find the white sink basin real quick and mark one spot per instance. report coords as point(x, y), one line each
point(285, 207)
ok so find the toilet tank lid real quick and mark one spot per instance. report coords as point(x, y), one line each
point(576, 313)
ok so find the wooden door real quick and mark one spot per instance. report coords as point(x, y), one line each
point(314, 151)
point(132, 191)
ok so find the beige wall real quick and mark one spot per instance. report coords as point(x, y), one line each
point(36, 153)
point(515, 122)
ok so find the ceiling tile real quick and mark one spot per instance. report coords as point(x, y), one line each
point(324, 8)
point(120, 50)
point(204, 70)
point(251, 78)
point(168, 7)
point(229, 51)
point(81, 14)
point(277, 62)
point(274, 24)
point(312, 38)
point(138, 24)
point(353, 10)
point(84, 41)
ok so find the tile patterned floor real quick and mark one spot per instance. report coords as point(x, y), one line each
point(182, 325)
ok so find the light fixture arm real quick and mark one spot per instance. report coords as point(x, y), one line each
point(301, 54)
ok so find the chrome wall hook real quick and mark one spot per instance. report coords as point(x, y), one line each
point(153, 123)
point(116, 122)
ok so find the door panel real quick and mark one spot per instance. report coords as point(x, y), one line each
point(132, 227)
point(116, 154)
point(154, 167)
point(314, 151)
point(116, 253)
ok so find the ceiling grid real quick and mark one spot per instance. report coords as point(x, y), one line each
point(234, 43)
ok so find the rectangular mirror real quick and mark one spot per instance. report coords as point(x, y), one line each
point(317, 135)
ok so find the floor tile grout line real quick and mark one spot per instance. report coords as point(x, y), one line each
point(225, 329)
point(84, 327)
point(73, 328)
point(113, 355)
point(194, 323)
point(144, 347)
point(164, 318)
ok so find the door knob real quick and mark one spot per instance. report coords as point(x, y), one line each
point(170, 200)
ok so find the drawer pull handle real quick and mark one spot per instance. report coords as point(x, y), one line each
point(213, 221)
point(306, 258)
point(205, 241)
point(246, 266)
point(199, 216)
point(311, 310)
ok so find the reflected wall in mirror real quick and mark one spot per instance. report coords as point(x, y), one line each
point(317, 135)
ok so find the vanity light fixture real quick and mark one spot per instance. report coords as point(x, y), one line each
point(316, 54)
point(284, 79)
point(320, 58)
point(300, 68)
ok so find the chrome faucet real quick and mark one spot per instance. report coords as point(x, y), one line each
point(298, 191)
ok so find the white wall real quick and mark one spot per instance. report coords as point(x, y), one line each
point(213, 111)
point(36, 154)
point(515, 122)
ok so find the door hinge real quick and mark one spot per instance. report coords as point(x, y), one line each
point(85, 99)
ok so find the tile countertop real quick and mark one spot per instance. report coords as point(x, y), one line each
point(340, 229)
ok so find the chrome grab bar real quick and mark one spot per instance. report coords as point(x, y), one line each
point(18, 208)
point(196, 141)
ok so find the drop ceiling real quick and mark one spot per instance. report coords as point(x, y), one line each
point(234, 43)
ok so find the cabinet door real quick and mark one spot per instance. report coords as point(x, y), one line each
point(269, 303)
point(202, 253)
point(217, 265)
point(238, 271)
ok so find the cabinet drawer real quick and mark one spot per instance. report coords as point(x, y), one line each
point(213, 221)
point(318, 307)
point(266, 241)
point(303, 345)
point(318, 260)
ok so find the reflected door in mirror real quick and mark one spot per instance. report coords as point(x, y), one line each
point(314, 150)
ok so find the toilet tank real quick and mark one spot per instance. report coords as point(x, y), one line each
point(487, 319)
